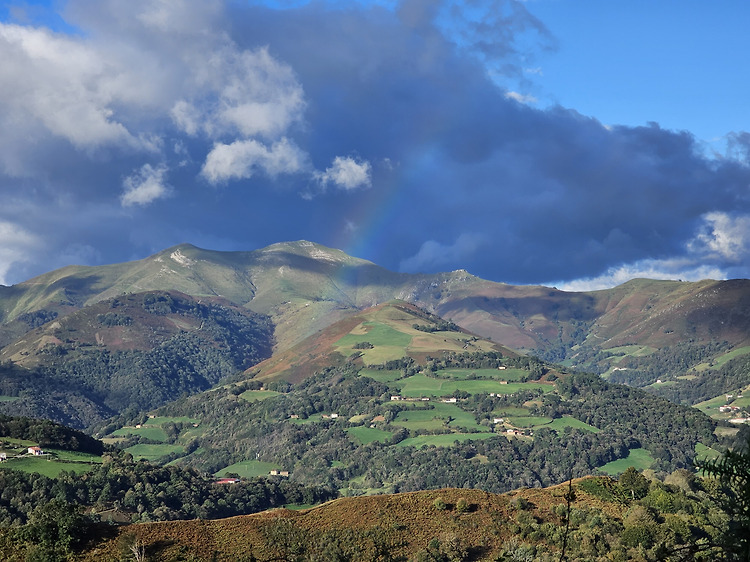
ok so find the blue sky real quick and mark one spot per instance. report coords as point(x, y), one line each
point(575, 143)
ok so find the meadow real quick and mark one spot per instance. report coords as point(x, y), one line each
point(641, 459)
point(152, 452)
point(364, 435)
point(248, 469)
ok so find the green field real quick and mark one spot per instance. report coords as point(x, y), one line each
point(153, 452)
point(529, 421)
point(421, 385)
point(559, 424)
point(381, 375)
point(257, 395)
point(630, 351)
point(74, 456)
point(702, 452)
point(388, 343)
point(8, 398)
point(152, 432)
point(248, 469)
point(638, 458)
point(501, 375)
point(722, 359)
point(364, 435)
point(436, 418)
point(45, 465)
point(444, 440)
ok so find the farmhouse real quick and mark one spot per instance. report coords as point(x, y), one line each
point(227, 481)
point(449, 400)
point(3, 457)
point(36, 451)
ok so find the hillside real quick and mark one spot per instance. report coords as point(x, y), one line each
point(386, 332)
point(592, 519)
point(383, 421)
point(132, 352)
point(56, 327)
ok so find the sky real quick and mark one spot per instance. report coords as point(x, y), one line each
point(571, 143)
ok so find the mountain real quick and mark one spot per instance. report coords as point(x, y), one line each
point(56, 328)
point(304, 287)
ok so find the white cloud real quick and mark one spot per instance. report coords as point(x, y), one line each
point(668, 269)
point(346, 173)
point(61, 85)
point(721, 240)
point(242, 158)
point(16, 244)
point(432, 255)
point(240, 93)
point(521, 98)
point(145, 186)
point(724, 236)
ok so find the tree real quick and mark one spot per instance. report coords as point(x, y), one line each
point(732, 470)
point(634, 483)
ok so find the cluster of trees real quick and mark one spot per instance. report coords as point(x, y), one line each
point(49, 434)
point(440, 326)
point(145, 492)
point(733, 375)
point(666, 363)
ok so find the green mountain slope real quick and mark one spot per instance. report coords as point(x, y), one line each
point(133, 352)
point(637, 333)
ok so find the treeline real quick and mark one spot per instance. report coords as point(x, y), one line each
point(145, 492)
point(666, 363)
point(728, 378)
point(49, 434)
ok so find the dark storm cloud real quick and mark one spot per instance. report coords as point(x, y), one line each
point(235, 126)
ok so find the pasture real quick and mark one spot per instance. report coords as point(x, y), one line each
point(640, 459)
point(152, 432)
point(364, 435)
point(258, 395)
point(152, 452)
point(440, 416)
point(45, 465)
point(249, 469)
point(444, 440)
